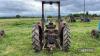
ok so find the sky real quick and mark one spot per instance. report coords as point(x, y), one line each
point(33, 7)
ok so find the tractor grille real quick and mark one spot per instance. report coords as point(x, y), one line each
point(51, 39)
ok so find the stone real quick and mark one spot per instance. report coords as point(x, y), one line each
point(2, 33)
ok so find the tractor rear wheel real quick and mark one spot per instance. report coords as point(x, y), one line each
point(65, 39)
point(35, 39)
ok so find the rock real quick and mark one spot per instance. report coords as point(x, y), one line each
point(95, 33)
point(2, 33)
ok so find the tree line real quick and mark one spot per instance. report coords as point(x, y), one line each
point(75, 15)
point(84, 14)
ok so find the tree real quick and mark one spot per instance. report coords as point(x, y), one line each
point(87, 13)
point(49, 16)
point(18, 16)
point(95, 15)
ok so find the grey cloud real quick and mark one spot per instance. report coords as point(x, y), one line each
point(78, 5)
point(12, 6)
point(23, 7)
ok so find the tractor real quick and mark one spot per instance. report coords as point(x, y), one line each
point(50, 36)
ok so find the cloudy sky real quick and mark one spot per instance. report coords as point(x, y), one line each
point(33, 7)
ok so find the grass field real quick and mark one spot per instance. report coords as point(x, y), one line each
point(18, 40)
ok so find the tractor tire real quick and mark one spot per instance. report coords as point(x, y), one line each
point(35, 39)
point(66, 39)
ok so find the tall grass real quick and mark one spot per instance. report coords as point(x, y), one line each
point(18, 41)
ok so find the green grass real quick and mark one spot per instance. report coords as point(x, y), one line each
point(18, 40)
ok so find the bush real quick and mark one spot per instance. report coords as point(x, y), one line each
point(18, 16)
